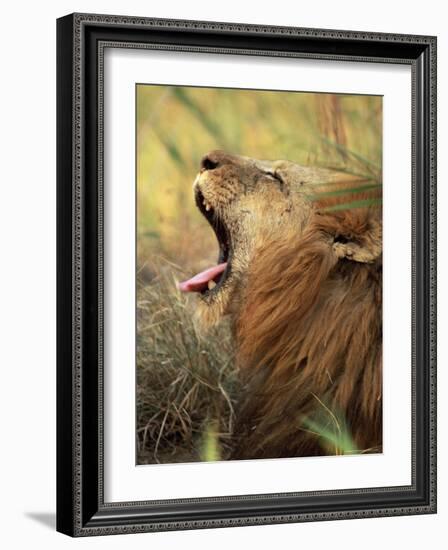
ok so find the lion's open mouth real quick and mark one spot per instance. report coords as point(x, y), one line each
point(211, 280)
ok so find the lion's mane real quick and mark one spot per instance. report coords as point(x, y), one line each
point(310, 339)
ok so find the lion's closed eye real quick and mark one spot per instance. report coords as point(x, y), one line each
point(276, 176)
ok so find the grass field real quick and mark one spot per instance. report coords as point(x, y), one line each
point(186, 382)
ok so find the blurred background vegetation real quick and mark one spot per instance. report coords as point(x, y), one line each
point(186, 384)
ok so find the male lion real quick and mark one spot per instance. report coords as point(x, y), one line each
point(300, 274)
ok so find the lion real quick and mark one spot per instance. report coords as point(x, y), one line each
point(300, 274)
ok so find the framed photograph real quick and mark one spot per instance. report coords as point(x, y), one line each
point(246, 274)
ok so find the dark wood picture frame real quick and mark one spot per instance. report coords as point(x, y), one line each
point(81, 509)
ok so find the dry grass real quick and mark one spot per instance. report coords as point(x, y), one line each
point(188, 386)
point(186, 382)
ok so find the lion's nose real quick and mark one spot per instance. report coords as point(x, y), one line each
point(215, 159)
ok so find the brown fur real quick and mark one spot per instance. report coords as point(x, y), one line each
point(305, 296)
point(309, 336)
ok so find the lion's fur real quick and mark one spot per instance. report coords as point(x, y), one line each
point(305, 296)
point(309, 336)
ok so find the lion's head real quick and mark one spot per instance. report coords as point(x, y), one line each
point(251, 202)
point(299, 270)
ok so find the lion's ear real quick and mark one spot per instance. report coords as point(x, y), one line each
point(365, 247)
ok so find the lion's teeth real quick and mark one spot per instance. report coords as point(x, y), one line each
point(211, 284)
point(207, 207)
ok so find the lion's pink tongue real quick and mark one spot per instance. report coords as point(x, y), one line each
point(200, 281)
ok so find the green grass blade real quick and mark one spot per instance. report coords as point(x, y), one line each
point(367, 163)
point(210, 448)
point(172, 149)
point(182, 96)
point(340, 439)
point(354, 204)
point(348, 170)
point(361, 179)
point(351, 191)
